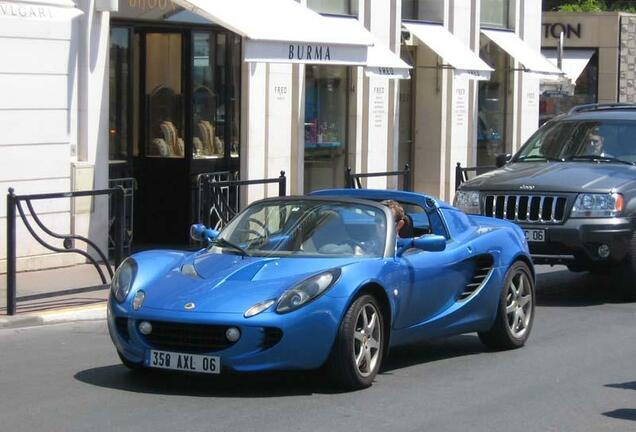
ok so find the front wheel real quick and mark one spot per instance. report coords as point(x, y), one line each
point(357, 353)
point(623, 276)
point(515, 314)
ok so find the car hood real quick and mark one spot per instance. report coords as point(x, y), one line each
point(232, 283)
point(556, 177)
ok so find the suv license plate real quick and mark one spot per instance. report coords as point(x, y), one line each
point(184, 362)
point(535, 235)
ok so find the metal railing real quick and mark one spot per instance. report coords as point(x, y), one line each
point(14, 208)
point(461, 173)
point(353, 181)
point(218, 194)
point(128, 186)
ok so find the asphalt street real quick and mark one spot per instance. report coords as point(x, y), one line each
point(577, 373)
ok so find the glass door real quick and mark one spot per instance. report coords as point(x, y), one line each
point(162, 170)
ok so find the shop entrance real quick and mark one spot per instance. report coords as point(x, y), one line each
point(175, 96)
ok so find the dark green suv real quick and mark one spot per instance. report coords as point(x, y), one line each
point(572, 188)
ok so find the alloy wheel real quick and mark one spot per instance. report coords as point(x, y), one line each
point(367, 339)
point(519, 304)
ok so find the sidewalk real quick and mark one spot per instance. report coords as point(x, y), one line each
point(44, 301)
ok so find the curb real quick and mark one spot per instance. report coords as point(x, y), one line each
point(85, 313)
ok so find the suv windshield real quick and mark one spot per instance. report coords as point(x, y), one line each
point(598, 140)
point(306, 228)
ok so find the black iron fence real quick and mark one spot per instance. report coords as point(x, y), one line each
point(217, 196)
point(461, 173)
point(15, 208)
point(354, 181)
point(129, 187)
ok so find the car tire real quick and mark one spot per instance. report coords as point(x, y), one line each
point(515, 314)
point(623, 277)
point(130, 365)
point(356, 356)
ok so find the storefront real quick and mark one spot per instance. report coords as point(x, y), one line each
point(477, 68)
point(598, 59)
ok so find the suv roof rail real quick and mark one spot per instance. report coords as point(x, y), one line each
point(600, 106)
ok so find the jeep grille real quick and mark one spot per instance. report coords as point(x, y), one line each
point(543, 209)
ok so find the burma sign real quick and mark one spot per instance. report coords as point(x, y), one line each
point(293, 52)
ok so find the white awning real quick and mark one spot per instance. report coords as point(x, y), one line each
point(283, 31)
point(451, 49)
point(382, 62)
point(573, 63)
point(531, 59)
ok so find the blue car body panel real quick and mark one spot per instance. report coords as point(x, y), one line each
point(425, 292)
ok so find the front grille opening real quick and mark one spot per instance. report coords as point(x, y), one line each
point(523, 208)
point(122, 328)
point(526, 208)
point(271, 336)
point(188, 338)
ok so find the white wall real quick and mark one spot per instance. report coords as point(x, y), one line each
point(38, 82)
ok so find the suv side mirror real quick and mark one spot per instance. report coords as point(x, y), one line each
point(200, 232)
point(428, 243)
point(502, 159)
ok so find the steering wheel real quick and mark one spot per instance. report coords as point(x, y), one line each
point(261, 237)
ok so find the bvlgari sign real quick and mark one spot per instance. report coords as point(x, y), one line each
point(24, 10)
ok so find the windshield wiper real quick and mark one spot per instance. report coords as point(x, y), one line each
point(548, 158)
point(597, 158)
point(223, 242)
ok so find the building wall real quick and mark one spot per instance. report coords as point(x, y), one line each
point(627, 62)
point(45, 146)
point(589, 30)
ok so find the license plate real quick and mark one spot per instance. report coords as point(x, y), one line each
point(535, 235)
point(184, 362)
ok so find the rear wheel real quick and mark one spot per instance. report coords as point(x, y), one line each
point(623, 277)
point(515, 314)
point(357, 353)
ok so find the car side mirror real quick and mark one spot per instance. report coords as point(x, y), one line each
point(200, 232)
point(502, 159)
point(427, 243)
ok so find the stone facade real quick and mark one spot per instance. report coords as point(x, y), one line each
point(627, 59)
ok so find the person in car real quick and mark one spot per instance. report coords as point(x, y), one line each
point(593, 143)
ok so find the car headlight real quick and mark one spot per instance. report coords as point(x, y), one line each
point(123, 279)
point(307, 291)
point(597, 205)
point(467, 201)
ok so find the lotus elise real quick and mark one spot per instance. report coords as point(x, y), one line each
point(323, 280)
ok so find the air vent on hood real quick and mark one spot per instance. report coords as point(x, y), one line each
point(481, 271)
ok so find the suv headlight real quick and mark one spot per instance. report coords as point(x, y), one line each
point(307, 291)
point(467, 201)
point(597, 205)
point(123, 279)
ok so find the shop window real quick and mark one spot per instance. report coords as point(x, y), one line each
point(164, 98)
point(119, 98)
point(495, 13)
point(491, 117)
point(234, 94)
point(325, 126)
point(423, 10)
point(553, 103)
point(335, 7)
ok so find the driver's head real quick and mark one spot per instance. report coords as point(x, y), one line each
point(398, 213)
point(594, 142)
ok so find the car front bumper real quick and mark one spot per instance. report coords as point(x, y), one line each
point(576, 242)
point(307, 335)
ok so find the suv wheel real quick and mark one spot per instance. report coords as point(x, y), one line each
point(624, 276)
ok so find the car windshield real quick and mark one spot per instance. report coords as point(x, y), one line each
point(311, 228)
point(597, 140)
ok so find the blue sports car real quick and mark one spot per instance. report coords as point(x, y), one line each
point(335, 278)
